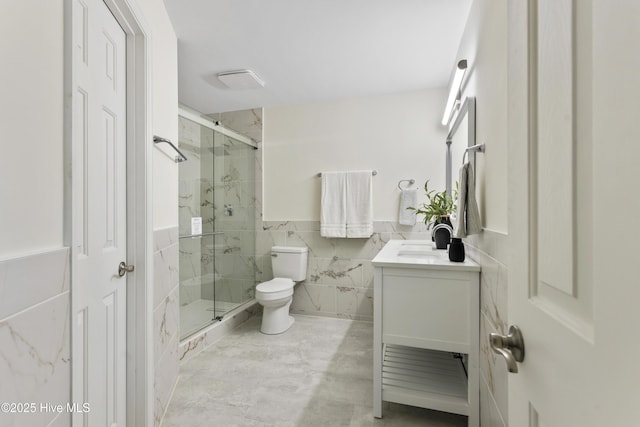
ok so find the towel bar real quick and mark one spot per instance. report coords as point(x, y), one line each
point(373, 172)
point(477, 147)
point(410, 181)
point(180, 157)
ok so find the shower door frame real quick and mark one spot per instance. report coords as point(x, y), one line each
point(189, 114)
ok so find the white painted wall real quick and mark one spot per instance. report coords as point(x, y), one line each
point(484, 45)
point(164, 70)
point(31, 121)
point(616, 150)
point(399, 135)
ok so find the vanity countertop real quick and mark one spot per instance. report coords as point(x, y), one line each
point(419, 254)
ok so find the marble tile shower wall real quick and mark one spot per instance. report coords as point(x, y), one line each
point(166, 317)
point(340, 274)
point(219, 186)
point(240, 187)
point(234, 209)
point(245, 122)
point(35, 336)
point(493, 318)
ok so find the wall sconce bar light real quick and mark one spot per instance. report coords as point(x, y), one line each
point(454, 91)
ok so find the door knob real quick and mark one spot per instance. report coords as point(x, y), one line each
point(124, 268)
point(511, 347)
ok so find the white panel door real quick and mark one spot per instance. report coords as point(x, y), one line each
point(99, 215)
point(571, 290)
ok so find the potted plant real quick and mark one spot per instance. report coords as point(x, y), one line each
point(437, 209)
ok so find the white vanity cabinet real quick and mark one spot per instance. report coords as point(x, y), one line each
point(426, 312)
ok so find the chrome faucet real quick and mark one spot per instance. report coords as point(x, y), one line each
point(228, 209)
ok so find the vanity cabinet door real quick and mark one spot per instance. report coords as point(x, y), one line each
point(429, 308)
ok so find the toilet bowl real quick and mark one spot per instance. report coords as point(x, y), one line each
point(289, 266)
point(275, 296)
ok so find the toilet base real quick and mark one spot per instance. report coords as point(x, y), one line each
point(276, 320)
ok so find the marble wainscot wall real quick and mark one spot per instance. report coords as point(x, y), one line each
point(35, 337)
point(340, 274)
point(166, 323)
point(489, 249)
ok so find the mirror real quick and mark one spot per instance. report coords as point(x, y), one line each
point(462, 134)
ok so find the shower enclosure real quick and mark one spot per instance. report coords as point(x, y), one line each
point(217, 221)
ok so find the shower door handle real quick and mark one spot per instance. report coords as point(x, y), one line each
point(194, 236)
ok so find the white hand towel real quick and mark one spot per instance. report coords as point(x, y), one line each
point(408, 198)
point(359, 204)
point(468, 214)
point(333, 214)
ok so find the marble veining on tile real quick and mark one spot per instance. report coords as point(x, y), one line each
point(166, 323)
point(35, 360)
point(314, 299)
point(200, 341)
point(165, 380)
point(354, 303)
point(352, 269)
point(165, 317)
point(342, 272)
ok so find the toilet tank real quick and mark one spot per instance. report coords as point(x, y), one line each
point(289, 262)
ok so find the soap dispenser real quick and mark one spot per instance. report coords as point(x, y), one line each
point(456, 250)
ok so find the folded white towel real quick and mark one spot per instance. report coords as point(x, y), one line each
point(333, 214)
point(408, 198)
point(468, 214)
point(359, 204)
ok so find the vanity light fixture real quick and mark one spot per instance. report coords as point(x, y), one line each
point(454, 91)
point(240, 79)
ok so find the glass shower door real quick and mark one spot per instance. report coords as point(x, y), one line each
point(234, 216)
point(217, 211)
point(196, 228)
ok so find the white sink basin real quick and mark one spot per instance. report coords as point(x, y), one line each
point(419, 249)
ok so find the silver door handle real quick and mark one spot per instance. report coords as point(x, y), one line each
point(511, 347)
point(124, 268)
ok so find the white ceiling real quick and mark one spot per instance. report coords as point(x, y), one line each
point(310, 50)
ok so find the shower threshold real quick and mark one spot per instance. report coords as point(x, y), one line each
point(199, 314)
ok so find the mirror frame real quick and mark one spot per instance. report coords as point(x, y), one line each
point(468, 110)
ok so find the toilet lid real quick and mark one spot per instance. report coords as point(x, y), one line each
point(275, 285)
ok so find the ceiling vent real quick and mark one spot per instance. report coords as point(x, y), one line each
point(241, 79)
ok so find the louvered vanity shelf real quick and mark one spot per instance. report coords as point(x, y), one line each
point(426, 329)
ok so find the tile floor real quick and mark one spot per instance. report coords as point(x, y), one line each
point(319, 373)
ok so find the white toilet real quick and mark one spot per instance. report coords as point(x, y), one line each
point(289, 266)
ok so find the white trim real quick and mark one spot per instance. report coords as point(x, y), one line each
point(140, 367)
point(194, 116)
